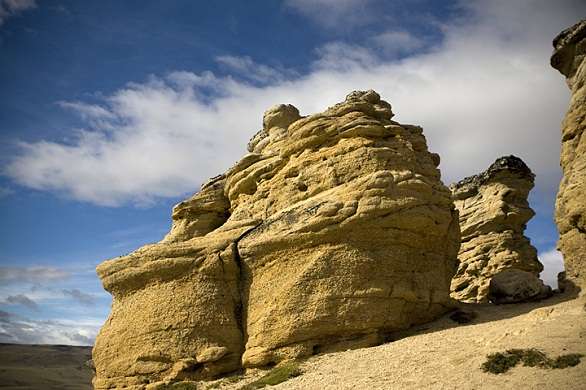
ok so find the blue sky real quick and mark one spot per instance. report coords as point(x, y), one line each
point(113, 111)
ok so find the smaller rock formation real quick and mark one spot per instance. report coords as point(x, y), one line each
point(569, 58)
point(494, 212)
point(513, 285)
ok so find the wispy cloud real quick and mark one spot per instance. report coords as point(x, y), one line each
point(33, 287)
point(341, 57)
point(21, 299)
point(5, 191)
point(81, 297)
point(22, 330)
point(334, 13)
point(87, 111)
point(245, 67)
point(10, 8)
point(32, 274)
point(395, 42)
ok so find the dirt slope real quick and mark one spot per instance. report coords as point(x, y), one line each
point(446, 355)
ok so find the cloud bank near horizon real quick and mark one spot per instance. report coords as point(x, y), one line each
point(51, 305)
point(22, 330)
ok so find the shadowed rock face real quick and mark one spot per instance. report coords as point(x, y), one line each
point(494, 211)
point(332, 232)
point(569, 58)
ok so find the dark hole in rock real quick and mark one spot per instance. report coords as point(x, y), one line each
point(292, 173)
point(462, 287)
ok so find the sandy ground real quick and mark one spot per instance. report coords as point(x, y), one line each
point(447, 355)
point(44, 367)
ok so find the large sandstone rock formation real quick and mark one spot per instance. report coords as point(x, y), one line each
point(332, 232)
point(569, 58)
point(494, 211)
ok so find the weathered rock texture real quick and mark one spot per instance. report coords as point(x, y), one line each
point(494, 211)
point(513, 285)
point(332, 232)
point(569, 58)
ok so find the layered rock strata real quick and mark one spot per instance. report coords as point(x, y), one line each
point(333, 231)
point(569, 58)
point(494, 211)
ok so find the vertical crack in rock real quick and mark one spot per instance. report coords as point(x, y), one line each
point(569, 57)
point(239, 308)
point(334, 230)
point(496, 261)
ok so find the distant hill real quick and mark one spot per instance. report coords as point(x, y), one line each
point(44, 367)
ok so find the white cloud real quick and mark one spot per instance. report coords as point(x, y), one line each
point(10, 8)
point(397, 42)
point(164, 138)
point(553, 263)
point(87, 111)
point(487, 90)
point(341, 57)
point(247, 68)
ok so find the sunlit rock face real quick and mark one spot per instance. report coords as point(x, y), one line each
point(494, 212)
point(569, 58)
point(332, 232)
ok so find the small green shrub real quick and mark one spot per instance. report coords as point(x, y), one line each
point(531, 357)
point(497, 363)
point(277, 375)
point(500, 362)
point(565, 361)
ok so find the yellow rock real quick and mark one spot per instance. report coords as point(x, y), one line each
point(334, 231)
point(494, 211)
point(569, 58)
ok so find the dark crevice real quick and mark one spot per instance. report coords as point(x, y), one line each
point(316, 349)
point(239, 305)
point(575, 223)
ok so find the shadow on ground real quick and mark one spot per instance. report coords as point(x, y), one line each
point(479, 313)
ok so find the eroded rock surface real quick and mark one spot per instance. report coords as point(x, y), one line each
point(494, 211)
point(569, 58)
point(334, 231)
point(513, 285)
